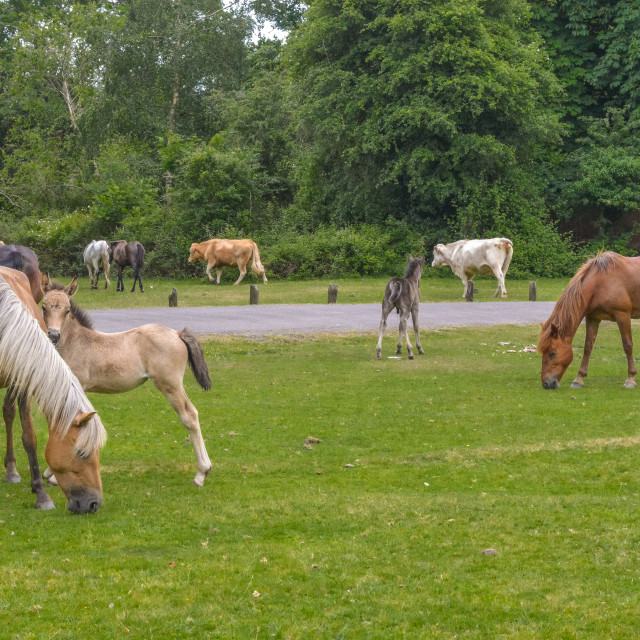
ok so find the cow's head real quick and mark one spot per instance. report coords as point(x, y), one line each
point(195, 253)
point(438, 256)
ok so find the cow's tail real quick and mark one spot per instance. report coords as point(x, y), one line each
point(197, 360)
point(256, 265)
point(508, 254)
point(106, 267)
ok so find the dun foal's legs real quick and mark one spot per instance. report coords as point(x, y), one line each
point(188, 414)
point(624, 324)
point(9, 414)
point(416, 328)
point(589, 340)
point(386, 309)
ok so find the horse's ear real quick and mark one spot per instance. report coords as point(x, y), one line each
point(72, 287)
point(45, 281)
point(82, 418)
point(555, 332)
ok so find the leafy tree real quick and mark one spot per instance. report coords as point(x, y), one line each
point(436, 113)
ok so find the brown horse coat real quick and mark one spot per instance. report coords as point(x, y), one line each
point(221, 253)
point(606, 287)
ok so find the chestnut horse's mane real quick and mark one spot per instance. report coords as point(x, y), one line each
point(570, 308)
point(32, 364)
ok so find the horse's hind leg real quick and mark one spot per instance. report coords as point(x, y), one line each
point(188, 414)
point(497, 272)
point(416, 328)
point(402, 331)
point(43, 501)
point(136, 276)
point(120, 285)
point(382, 328)
point(624, 324)
point(589, 340)
point(9, 414)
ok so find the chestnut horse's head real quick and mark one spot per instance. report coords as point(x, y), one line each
point(557, 355)
point(77, 469)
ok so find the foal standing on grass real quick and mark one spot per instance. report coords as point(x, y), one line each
point(403, 295)
point(119, 362)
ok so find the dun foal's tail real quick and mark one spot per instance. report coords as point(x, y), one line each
point(197, 361)
point(394, 289)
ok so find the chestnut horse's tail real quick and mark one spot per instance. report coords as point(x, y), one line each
point(197, 360)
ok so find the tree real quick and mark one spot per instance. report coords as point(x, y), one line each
point(439, 113)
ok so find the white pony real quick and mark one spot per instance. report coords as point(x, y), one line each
point(96, 256)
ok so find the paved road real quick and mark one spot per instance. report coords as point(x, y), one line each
point(315, 318)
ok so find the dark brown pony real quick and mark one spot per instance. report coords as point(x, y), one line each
point(20, 258)
point(606, 287)
point(127, 254)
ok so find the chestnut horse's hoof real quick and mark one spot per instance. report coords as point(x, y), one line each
point(630, 384)
point(577, 385)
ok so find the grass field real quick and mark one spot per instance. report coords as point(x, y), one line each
point(198, 293)
point(450, 497)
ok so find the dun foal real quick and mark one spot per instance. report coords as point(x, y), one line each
point(403, 294)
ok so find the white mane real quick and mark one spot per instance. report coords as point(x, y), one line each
point(30, 362)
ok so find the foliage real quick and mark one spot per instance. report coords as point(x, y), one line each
point(357, 250)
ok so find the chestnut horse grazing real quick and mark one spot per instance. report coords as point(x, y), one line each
point(403, 295)
point(31, 367)
point(96, 257)
point(119, 362)
point(606, 287)
point(127, 254)
point(20, 258)
point(220, 253)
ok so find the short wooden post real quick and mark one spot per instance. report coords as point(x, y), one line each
point(253, 294)
point(469, 294)
point(532, 291)
point(333, 293)
point(173, 298)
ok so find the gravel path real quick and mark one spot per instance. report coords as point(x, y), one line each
point(315, 318)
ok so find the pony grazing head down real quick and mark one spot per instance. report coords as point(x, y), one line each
point(557, 355)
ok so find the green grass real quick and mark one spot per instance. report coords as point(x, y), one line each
point(198, 293)
point(379, 531)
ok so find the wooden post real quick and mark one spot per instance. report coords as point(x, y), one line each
point(532, 291)
point(253, 294)
point(333, 293)
point(469, 294)
point(173, 298)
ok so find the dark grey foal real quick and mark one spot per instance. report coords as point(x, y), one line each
point(403, 294)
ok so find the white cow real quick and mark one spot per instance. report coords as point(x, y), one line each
point(470, 257)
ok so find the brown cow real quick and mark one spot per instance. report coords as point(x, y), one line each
point(220, 253)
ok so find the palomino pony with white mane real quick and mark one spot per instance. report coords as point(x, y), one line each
point(31, 368)
point(606, 287)
point(119, 362)
point(96, 257)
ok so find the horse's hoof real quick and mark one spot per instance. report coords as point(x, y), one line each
point(577, 385)
point(411, 356)
point(630, 384)
point(421, 352)
point(12, 478)
point(45, 506)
